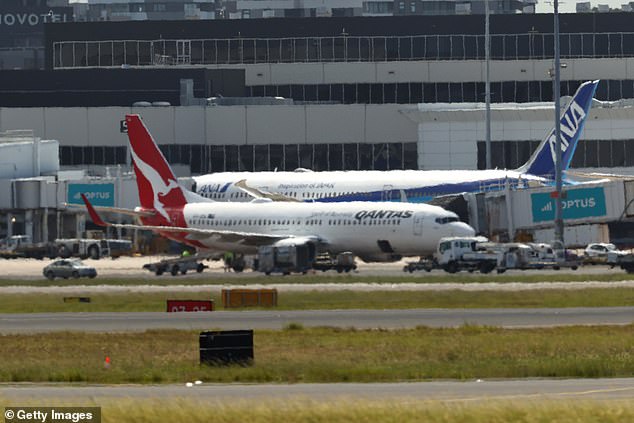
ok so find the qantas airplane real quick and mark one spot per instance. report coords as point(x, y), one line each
point(415, 186)
point(372, 231)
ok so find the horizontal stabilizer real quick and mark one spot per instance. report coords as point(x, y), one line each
point(258, 193)
point(105, 209)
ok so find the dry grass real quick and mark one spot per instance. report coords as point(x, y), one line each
point(325, 355)
point(151, 301)
point(347, 411)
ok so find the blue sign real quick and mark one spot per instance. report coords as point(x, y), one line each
point(97, 194)
point(577, 203)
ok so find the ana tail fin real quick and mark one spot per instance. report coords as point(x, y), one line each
point(573, 118)
point(158, 187)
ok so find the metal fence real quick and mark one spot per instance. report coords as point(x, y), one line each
point(532, 45)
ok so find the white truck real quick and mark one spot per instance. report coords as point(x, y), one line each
point(466, 253)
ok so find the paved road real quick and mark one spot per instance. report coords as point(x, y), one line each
point(592, 389)
point(132, 267)
point(359, 286)
point(227, 320)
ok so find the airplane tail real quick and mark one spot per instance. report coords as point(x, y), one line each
point(159, 190)
point(573, 118)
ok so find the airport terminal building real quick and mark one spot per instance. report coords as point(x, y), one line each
point(340, 93)
point(352, 82)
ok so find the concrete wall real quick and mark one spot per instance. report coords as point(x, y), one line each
point(220, 125)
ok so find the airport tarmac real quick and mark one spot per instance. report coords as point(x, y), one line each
point(133, 266)
point(522, 389)
point(362, 319)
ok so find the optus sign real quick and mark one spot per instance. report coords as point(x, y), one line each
point(577, 204)
point(97, 194)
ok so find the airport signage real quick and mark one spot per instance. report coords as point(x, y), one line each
point(576, 204)
point(97, 194)
point(175, 306)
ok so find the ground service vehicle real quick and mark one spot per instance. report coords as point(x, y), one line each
point(68, 269)
point(521, 256)
point(92, 248)
point(342, 262)
point(21, 246)
point(285, 259)
point(466, 253)
point(623, 259)
point(425, 264)
point(176, 265)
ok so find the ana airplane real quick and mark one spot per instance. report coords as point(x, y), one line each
point(404, 185)
point(373, 231)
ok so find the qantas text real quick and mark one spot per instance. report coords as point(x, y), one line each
point(383, 214)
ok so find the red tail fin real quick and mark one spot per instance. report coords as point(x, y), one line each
point(93, 213)
point(158, 187)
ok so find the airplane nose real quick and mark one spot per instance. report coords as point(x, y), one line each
point(461, 229)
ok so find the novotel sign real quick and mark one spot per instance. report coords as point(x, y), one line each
point(576, 204)
point(97, 194)
point(30, 19)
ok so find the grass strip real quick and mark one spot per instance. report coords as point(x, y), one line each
point(321, 300)
point(346, 411)
point(298, 354)
point(250, 278)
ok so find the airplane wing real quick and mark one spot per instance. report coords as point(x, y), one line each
point(245, 238)
point(105, 209)
point(216, 235)
point(257, 193)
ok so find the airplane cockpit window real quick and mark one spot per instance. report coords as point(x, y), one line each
point(447, 219)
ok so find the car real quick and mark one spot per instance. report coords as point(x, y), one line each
point(598, 250)
point(68, 269)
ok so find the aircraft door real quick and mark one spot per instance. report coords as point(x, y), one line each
point(418, 224)
point(386, 194)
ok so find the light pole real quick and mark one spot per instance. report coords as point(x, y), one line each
point(559, 222)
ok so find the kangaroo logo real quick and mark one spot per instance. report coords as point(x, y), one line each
point(159, 188)
point(569, 125)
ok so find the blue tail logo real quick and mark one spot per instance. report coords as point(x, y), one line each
point(542, 162)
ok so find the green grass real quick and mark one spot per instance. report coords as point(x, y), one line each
point(346, 299)
point(325, 355)
point(347, 411)
point(249, 278)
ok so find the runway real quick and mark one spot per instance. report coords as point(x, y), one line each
point(526, 389)
point(362, 319)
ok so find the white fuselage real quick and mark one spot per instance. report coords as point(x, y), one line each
point(414, 186)
point(365, 228)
